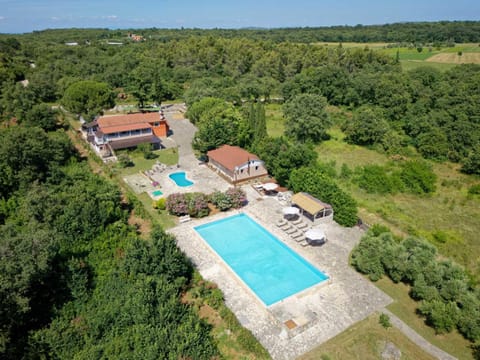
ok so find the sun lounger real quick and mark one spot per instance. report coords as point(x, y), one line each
point(297, 235)
point(302, 225)
point(184, 218)
point(290, 231)
point(281, 222)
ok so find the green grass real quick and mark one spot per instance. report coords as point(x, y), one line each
point(405, 308)
point(450, 210)
point(165, 156)
point(274, 119)
point(410, 65)
point(164, 219)
point(365, 340)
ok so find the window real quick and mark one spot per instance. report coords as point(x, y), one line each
point(256, 167)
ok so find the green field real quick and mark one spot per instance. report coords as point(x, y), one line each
point(366, 340)
point(449, 212)
point(404, 307)
point(443, 58)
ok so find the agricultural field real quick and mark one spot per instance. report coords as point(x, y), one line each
point(411, 57)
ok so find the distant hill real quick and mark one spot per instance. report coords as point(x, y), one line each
point(411, 32)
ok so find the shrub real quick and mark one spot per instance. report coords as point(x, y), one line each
point(474, 189)
point(193, 204)
point(471, 164)
point(221, 200)
point(237, 197)
point(125, 161)
point(418, 177)
point(197, 204)
point(177, 204)
point(385, 321)
point(376, 179)
point(160, 204)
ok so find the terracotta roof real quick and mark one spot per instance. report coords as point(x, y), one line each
point(231, 156)
point(112, 120)
point(308, 203)
point(115, 123)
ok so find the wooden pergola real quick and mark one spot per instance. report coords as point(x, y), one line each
point(310, 206)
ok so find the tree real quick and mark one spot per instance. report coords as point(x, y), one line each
point(281, 157)
point(220, 125)
point(472, 162)
point(307, 119)
point(315, 182)
point(367, 126)
point(197, 110)
point(88, 98)
point(43, 116)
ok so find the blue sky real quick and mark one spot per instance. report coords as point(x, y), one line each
point(18, 16)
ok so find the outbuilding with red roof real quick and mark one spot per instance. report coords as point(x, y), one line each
point(236, 164)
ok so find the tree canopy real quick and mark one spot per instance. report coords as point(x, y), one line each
point(88, 98)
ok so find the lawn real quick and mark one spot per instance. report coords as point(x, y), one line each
point(274, 119)
point(404, 307)
point(366, 340)
point(165, 156)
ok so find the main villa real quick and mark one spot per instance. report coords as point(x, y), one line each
point(113, 132)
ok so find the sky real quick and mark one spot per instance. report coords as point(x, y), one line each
point(19, 16)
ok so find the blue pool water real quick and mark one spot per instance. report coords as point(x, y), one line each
point(270, 268)
point(180, 179)
point(157, 193)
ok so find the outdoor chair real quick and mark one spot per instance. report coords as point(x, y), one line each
point(302, 225)
point(297, 236)
point(290, 230)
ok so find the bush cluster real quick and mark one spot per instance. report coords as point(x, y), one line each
point(196, 204)
point(193, 204)
point(448, 299)
point(416, 177)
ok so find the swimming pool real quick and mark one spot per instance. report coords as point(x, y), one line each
point(157, 193)
point(270, 268)
point(180, 179)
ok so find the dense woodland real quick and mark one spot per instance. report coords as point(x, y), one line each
point(77, 281)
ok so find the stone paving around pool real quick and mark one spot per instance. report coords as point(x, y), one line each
point(303, 321)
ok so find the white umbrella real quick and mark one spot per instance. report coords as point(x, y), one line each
point(269, 186)
point(291, 210)
point(315, 234)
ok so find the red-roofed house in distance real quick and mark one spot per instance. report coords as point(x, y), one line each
point(236, 164)
point(114, 132)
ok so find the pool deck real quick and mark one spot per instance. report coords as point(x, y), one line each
point(297, 324)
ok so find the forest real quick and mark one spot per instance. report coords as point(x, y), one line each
point(78, 281)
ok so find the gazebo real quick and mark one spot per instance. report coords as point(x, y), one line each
point(311, 207)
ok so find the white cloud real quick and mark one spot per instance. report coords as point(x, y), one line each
point(110, 17)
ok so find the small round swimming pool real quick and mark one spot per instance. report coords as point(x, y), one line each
point(157, 193)
point(180, 179)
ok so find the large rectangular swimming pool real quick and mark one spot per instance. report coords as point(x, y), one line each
point(270, 268)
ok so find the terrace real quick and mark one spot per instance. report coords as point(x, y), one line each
point(300, 322)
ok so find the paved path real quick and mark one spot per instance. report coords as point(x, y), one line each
point(417, 339)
